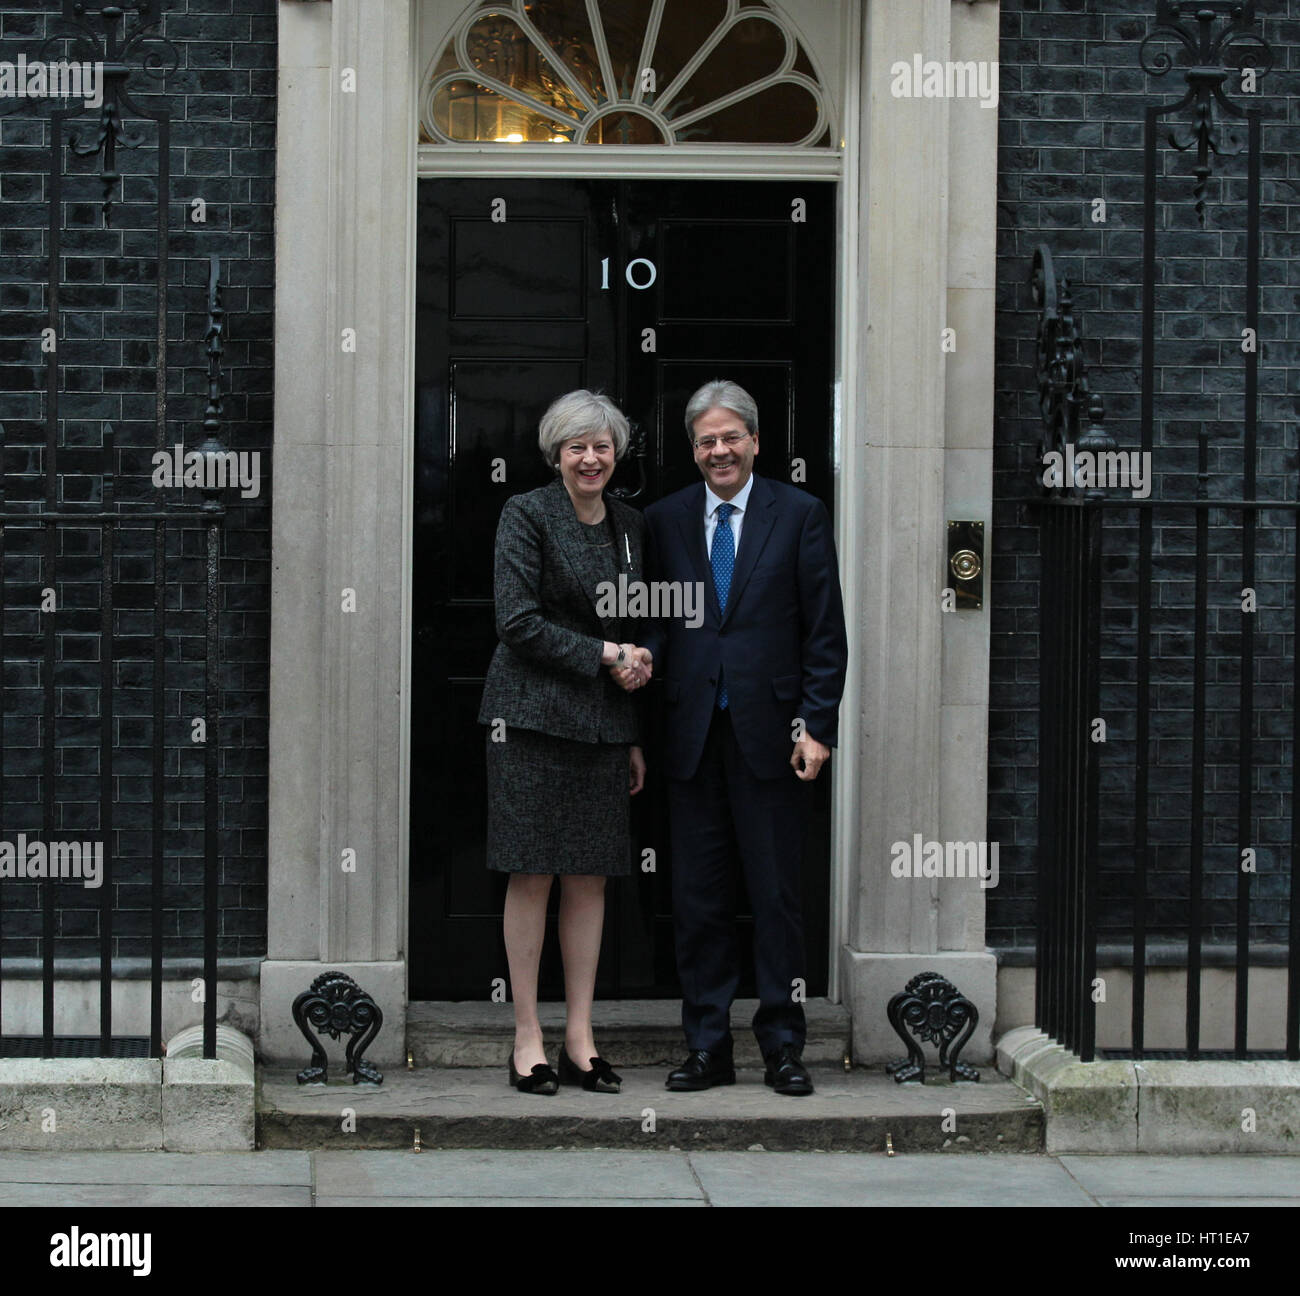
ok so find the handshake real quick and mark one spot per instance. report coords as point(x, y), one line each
point(637, 667)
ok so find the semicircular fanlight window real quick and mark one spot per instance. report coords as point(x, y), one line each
point(629, 72)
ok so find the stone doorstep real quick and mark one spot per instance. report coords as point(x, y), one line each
point(630, 1032)
point(1154, 1106)
point(464, 1107)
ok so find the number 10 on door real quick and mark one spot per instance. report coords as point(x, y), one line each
point(633, 276)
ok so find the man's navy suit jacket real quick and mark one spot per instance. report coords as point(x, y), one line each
point(781, 641)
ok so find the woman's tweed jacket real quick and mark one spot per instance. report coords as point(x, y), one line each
point(546, 673)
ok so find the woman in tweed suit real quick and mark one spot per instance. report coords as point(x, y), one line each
point(563, 750)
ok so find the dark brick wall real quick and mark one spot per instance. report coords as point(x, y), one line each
point(1072, 100)
point(221, 101)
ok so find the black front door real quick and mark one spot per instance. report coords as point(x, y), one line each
point(527, 289)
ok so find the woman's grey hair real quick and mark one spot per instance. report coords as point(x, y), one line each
point(576, 415)
point(724, 394)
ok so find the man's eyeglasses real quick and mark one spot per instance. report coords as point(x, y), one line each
point(730, 439)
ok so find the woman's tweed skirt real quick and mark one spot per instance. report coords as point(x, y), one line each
point(557, 806)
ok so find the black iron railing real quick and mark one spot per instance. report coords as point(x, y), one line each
point(132, 584)
point(1127, 670)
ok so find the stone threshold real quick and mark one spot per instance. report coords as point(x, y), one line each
point(466, 1107)
point(630, 1032)
point(1155, 1106)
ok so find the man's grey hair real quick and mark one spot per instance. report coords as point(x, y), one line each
point(720, 393)
point(579, 414)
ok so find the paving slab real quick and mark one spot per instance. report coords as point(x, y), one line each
point(161, 1168)
point(1229, 1177)
point(540, 1176)
point(476, 1107)
point(922, 1180)
point(620, 1176)
point(152, 1195)
point(1128, 1203)
point(505, 1201)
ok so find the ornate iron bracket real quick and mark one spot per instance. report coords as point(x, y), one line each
point(139, 40)
point(936, 1012)
point(1062, 373)
point(1211, 66)
point(337, 1005)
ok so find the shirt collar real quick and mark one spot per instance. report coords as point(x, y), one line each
point(739, 501)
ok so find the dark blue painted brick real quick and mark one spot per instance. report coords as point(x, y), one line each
point(1050, 157)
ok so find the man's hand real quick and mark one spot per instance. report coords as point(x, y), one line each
point(808, 757)
point(636, 673)
point(636, 771)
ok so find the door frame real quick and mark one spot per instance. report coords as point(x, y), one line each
point(700, 162)
point(920, 452)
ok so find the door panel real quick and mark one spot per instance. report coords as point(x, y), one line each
point(493, 420)
point(510, 314)
point(746, 272)
point(518, 269)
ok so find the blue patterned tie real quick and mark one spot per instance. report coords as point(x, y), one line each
point(723, 561)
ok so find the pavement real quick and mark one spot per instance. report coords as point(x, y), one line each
point(619, 1177)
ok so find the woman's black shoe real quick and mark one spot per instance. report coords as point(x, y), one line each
point(541, 1080)
point(602, 1077)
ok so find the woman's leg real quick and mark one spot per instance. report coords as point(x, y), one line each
point(525, 930)
point(582, 918)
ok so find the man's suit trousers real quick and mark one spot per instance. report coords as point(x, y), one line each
point(722, 818)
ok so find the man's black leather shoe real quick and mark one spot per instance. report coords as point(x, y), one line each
point(702, 1070)
point(786, 1073)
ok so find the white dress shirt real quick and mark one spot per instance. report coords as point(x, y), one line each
point(739, 503)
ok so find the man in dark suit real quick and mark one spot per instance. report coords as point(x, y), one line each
point(751, 702)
